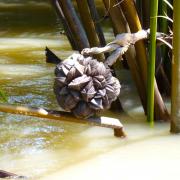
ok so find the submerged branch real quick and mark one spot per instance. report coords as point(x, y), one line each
point(9, 175)
point(65, 116)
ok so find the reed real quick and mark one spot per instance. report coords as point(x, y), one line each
point(151, 62)
point(74, 24)
point(145, 13)
point(162, 52)
point(120, 25)
point(163, 83)
point(96, 20)
point(89, 25)
point(175, 94)
point(165, 9)
point(62, 18)
point(132, 18)
point(139, 9)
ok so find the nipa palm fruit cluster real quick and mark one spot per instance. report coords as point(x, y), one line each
point(84, 86)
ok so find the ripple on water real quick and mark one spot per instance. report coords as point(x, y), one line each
point(37, 147)
point(8, 44)
point(25, 4)
point(12, 70)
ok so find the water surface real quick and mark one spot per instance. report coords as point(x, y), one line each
point(47, 149)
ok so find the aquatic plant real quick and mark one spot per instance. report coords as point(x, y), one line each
point(175, 97)
point(151, 62)
point(83, 30)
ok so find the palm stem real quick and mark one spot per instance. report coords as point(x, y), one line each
point(151, 63)
point(175, 95)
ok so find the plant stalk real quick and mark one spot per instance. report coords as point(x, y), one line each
point(120, 25)
point(95, 18)
point(89, 25)
point(175, 94)
point(131, 15)
point(60, 14)
point(74, 24)
point(151, 62)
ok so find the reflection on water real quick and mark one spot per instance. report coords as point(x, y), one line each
point(23, 16)
point(34, 147)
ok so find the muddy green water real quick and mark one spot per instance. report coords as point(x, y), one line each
point(45, 149)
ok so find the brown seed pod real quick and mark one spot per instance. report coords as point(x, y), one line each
point(84, 86)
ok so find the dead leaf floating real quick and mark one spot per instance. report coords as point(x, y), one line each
point(84, 86)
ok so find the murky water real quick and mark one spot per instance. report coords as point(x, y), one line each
point(39, 148)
